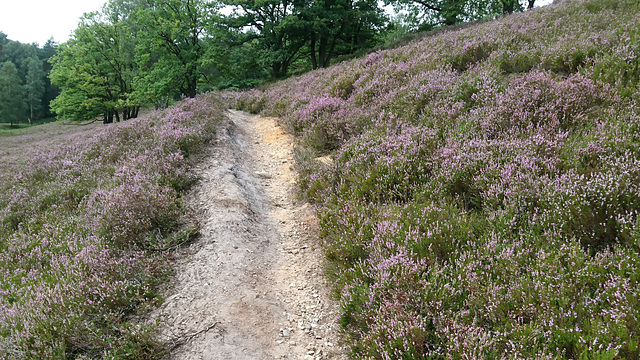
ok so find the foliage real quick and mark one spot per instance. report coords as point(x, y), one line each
point(34, 86)
point(12, 104)
point(50, 91)
point(135, 53)
point(285, 31)
point(170, 48)
point(82, 226)
point(276, 27)
point(232, 63)
point(18, 54)
point(482, 198)
point(96, 70)
point(338, 27)
point(28, 59)
point(129, 54)
point(426, 14)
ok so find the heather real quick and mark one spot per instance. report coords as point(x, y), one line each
point(481, 195)
point(86, 219)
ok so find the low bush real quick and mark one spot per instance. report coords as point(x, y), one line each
point(84, 225)
point(481, 197)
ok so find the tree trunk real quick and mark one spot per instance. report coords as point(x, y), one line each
point(451, 19)
point(531, 4)
point(192, 89)
point(322, 50)
point(314, 60)
point(332, 49)
point(508, 6)
point(279, 69)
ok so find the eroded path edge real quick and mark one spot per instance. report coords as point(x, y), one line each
point(251, 287)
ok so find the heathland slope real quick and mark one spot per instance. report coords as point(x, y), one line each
point(87, 215)
point(251, 286)
point(480, 194)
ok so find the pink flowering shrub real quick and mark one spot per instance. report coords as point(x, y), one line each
point(321, 123)
point(381, 169)
point(83, 227)
point(482, 200)
point(538, 102)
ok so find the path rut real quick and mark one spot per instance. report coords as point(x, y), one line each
point(251, 286)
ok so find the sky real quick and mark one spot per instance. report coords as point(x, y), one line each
point(29, 21)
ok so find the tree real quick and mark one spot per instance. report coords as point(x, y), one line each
point(3, 42)
point(280, 32)
point(12, 105)
point(84, 90)
point(432, 13)
point(22, 55)
point(34, 87)
point(337, 27)
point(51, 91)
point(96, 70)
point(18, 54)
point(231, 62)
point(510, 6)
point(170, 50)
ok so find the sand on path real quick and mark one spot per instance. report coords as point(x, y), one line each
point(251, 286)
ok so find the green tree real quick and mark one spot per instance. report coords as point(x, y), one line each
point(18, 54)
point(3, 42)
point(51, 91)
point(84, 90)
point(230, 62)
point(34, 87)
point(280, 32)
point(283, 31)
point(96, 70)
point(337, 27)
point(21, 55)
point(431, 13)
point(511, 6)
point(12, 104)
point(170, 49)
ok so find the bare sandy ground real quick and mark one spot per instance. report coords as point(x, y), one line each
point(251, 287)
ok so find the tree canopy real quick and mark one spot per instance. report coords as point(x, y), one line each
point(171, 43)
point(96, 69)
point(12, 104)
point(34, 86)
point(29, 63)
point(339, 27)
point(427, 14)
point(134, 53)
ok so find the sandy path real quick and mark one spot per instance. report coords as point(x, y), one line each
point(251, 287)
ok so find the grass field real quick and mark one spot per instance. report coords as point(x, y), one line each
point(7, 129)
point(86, 213)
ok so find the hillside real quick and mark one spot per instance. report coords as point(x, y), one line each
point(478, 188)
point(87, 214)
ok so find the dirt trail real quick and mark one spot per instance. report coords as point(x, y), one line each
point(251, 287)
